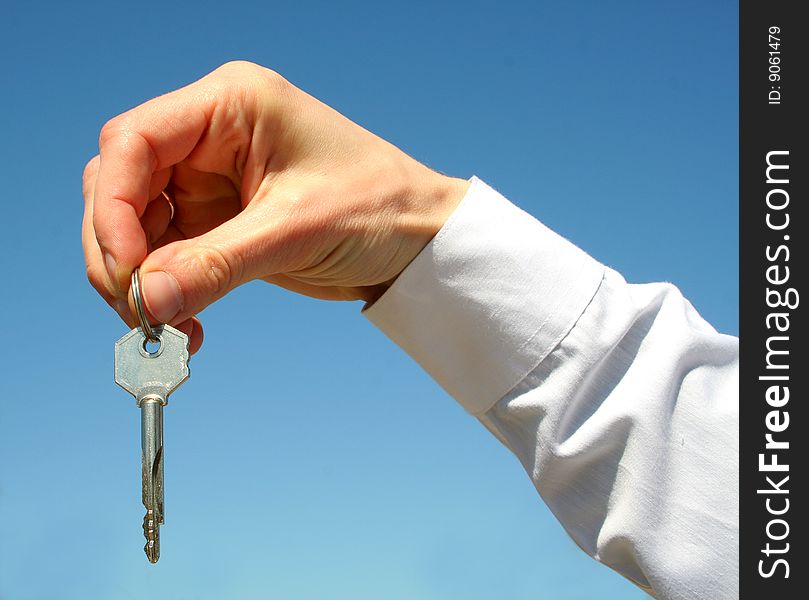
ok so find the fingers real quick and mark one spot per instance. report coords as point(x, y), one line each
point(155, 222)
point(137, 151)
point(94, 262)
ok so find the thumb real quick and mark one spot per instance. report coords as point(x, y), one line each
point(182, 278)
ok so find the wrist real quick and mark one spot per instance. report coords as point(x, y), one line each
point(448, 193)
point(437, 196)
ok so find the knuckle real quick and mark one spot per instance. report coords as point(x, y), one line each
point(88, 177)
point(243, 70)
point(238, 65)
point(241, 67)
point(219, 270)
point(275, 82)
point(109, 130)
point(91, 168)
point(116, 127)
point(273, 77)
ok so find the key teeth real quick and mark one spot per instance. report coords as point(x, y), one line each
point(151, 531)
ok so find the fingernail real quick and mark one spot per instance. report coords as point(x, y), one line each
point(112, 267)
point(162, 295)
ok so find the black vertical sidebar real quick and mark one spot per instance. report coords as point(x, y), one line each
point(773, 174)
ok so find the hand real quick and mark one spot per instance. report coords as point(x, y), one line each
point(267, 183)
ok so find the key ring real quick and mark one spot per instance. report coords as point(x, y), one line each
point(137, 296)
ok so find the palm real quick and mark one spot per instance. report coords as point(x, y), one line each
point(202, 201)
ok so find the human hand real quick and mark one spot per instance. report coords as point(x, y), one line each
point(267, 183)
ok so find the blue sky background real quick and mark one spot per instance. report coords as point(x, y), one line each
point(308, 457)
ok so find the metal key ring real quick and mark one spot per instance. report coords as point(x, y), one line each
point(137, 296)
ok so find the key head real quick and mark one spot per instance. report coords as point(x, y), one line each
point(142, 370)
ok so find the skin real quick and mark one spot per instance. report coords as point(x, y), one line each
point(267, 183)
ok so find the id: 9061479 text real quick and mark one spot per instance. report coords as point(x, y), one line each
point(774, 96)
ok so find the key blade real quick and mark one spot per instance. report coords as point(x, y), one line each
point(153, 503)
point(152, 473)
point(151, 531)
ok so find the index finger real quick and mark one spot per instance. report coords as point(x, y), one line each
point(134, 147)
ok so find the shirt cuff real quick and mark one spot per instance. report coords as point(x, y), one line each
point(487, 299)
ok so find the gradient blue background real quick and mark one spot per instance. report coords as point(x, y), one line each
point(308, 457)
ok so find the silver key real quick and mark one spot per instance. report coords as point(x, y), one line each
point(151, 374)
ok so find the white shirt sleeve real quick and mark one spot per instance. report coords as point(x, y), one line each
point(620, 401)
